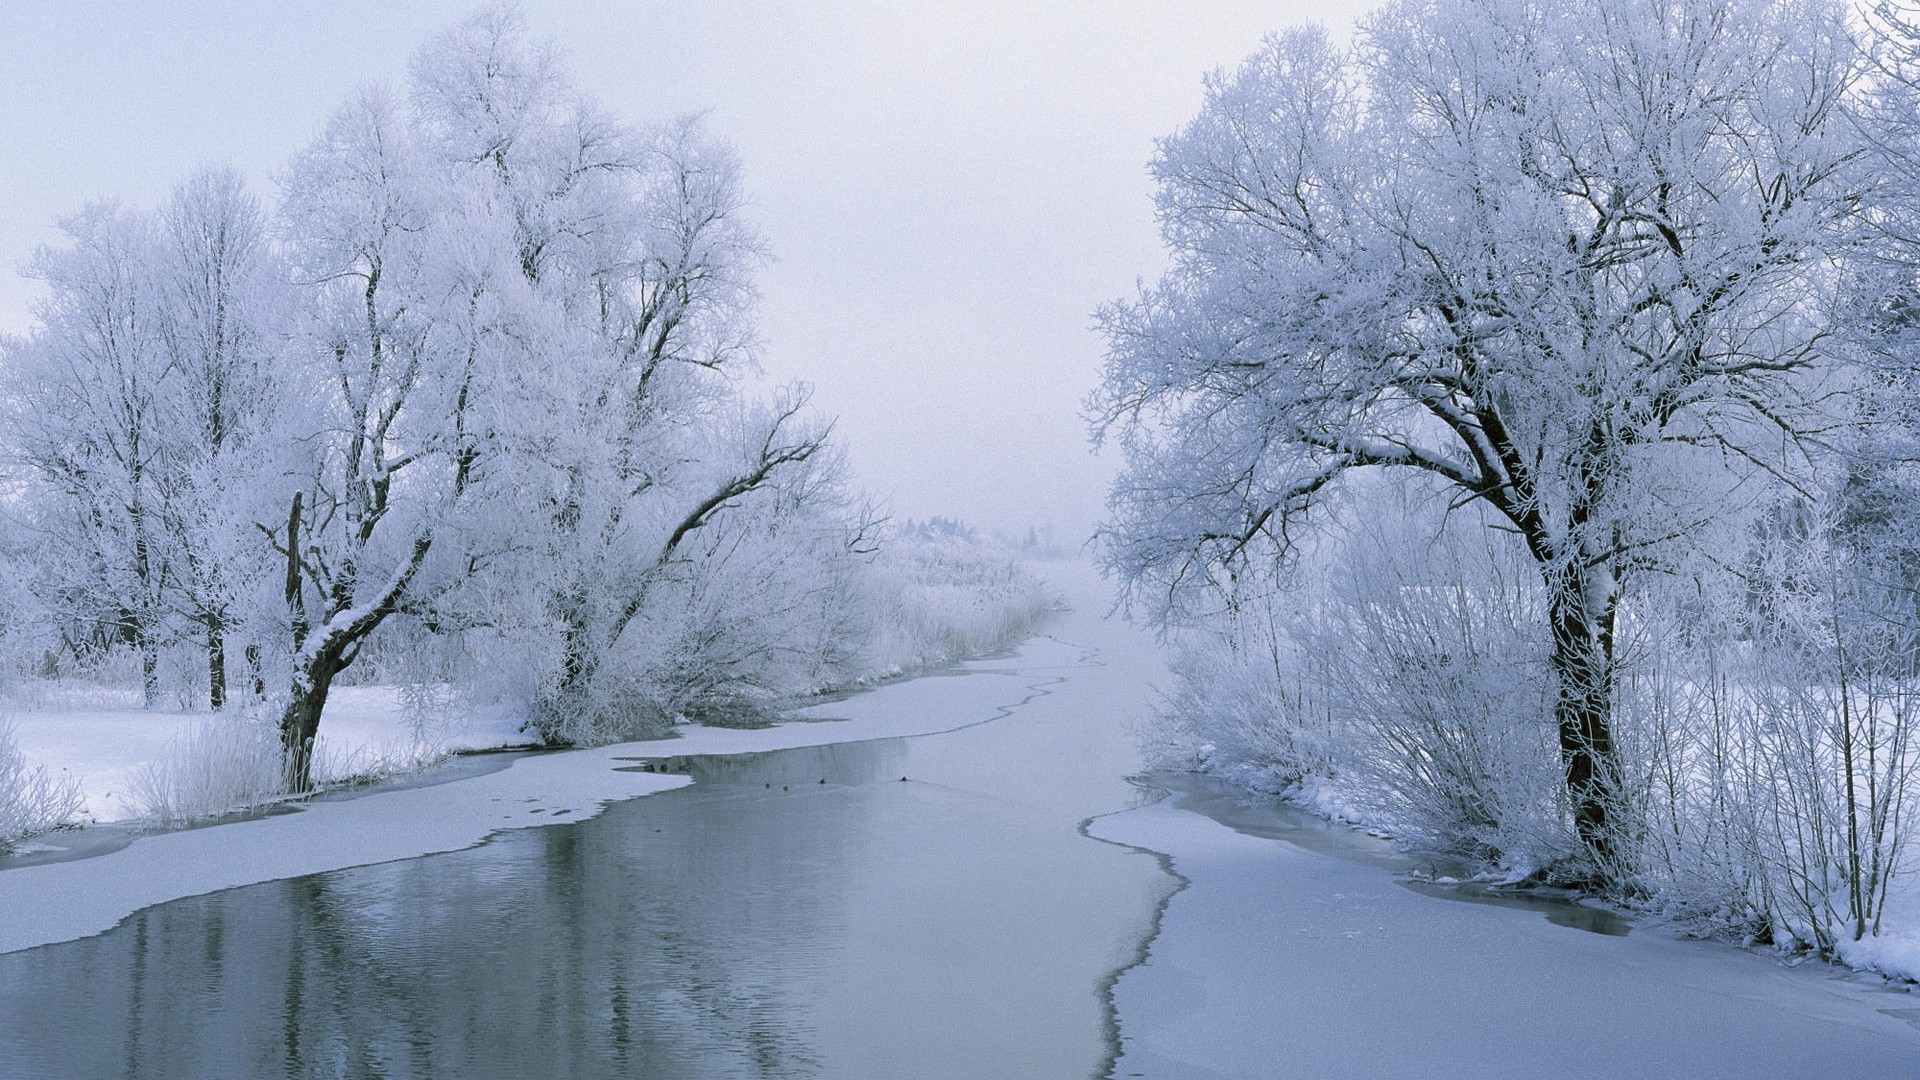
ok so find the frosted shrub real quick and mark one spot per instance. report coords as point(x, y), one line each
point(1240, 707)
point(767, 620)
point(649, 683)
point(728, 638)
point(1434, 667)
point(1771, 739)
point(1773, 800)
point(938, 592)
point(32, 800)
point(1402, 679)
point(1688, 737)
point(216, 765)
point(1836, 762)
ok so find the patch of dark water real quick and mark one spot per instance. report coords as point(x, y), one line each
point(1910, 1016)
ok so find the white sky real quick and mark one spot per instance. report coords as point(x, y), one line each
point(950, 188)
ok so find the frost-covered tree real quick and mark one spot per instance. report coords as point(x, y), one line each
point(636, 266)
point(514, 377)
point(134, 400)
point(1568, 260)
point(377, 392)
point(216, 284)
point(85, 395)
point(718, 595)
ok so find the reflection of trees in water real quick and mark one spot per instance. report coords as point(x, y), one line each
point(676, 935)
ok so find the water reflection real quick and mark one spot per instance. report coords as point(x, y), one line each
point(629, 949)
point(792, 914)
point(846, 764)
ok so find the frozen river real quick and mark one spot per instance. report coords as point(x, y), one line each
point(991, 901)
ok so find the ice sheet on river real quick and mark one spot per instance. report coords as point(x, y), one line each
point(1277, 961)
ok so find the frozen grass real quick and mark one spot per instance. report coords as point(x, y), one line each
point(32, 799)
point(130, 762)
point(220, 764)
point(217, 764)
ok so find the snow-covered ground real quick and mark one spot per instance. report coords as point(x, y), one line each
point(103, 738)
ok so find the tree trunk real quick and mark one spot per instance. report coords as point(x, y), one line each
point(1583, 705)
point(149, 672)
point(256, 671)
point(576, 660)
point(216, 663)
point(300, 723)
point(552, 709)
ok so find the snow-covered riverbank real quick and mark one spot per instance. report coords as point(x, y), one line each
point(1276, 960)
point(103, 739)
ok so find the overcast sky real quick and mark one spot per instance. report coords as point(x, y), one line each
point(950, 188)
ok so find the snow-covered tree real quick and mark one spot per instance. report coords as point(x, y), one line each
point(376, 392)
point(133, 403)
point(216, 282)
point(1568, 260)
point(523, 319)
point(85, 392)
point(636, 265)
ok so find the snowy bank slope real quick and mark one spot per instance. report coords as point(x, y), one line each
point(102, 740)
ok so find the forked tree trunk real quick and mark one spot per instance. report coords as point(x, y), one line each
point(317, 662)
point(300, 723)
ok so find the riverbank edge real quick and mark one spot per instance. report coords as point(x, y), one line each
point(54, 901)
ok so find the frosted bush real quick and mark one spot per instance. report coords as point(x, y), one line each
point(1440, 691)
point(769, 620)
point(218, 764)
point(32, 799)
point(1239, 707)
point(1400, 677)
point(937, 592)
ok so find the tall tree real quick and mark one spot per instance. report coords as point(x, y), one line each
point(86, 390)
point(1565, 259)
point(636, 264)
point(376, 393)
point(213, 272)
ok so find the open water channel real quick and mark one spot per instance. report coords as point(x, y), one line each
point(900, 907)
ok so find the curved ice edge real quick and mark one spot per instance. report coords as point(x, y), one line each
point(57, 902)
